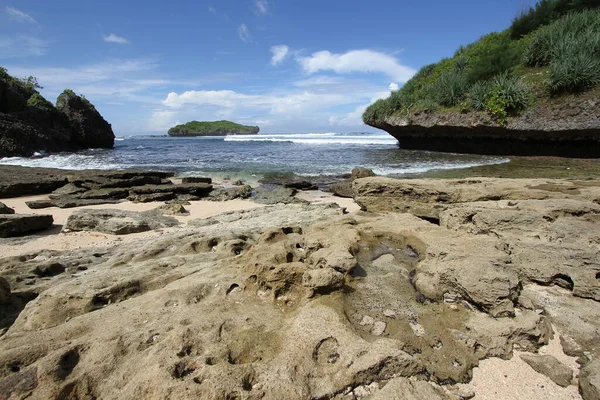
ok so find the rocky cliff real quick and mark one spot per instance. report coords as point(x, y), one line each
point(569, 128)
point(29, 123)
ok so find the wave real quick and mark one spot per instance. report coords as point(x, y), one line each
point(316, 139)
point(62, 161)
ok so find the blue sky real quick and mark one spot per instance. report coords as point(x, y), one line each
point(285, 65)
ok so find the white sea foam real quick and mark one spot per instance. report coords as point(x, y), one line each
point(61, 161)
point(316, 139)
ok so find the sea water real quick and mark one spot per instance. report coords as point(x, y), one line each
point(258, 155)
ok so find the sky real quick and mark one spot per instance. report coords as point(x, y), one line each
point(284, 65)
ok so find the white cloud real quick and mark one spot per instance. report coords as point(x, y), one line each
point(21, 46)
point(356, 61)
point(394, 86)
point(211, 9)
point(280, 52)
point(244, 33)
point(20, 16)
point(162, 120)
point(112, 38)
point(262, 6)
point(319, 80)
point(115, 80)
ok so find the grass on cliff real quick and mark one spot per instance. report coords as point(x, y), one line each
point(551, 50)
point(208, 128)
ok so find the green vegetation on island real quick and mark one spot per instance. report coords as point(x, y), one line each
point(550, 50)
point(216, 128)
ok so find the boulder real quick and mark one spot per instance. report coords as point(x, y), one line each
point(342, 189)
point(20, 224)
point(117, 222)
point(589, 381)
point(361, 172)
point(4, 209)
point(241, 192)
point(548, 365)
point(277, 194)
point(4, 291)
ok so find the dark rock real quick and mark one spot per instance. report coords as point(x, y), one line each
point(551, 367)
point(100, 179)
point(4, 291)
point(106, 193)
point(68, 202)
point(50, 269)
point(275, 195)
point(19, 224)
point(301, 185)
point(149, 198)
point(242, 192)
point(239, 182)
point(589, 381)
point(18, 181)
point(117, 222)
point(196, 179)
point(68, 189)
point(360, 172)
point(89, 129)
point(4, 209)
point(197, 189)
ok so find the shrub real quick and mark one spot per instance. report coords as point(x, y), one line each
point(376, 112)
point(450, 88)
point(573, 34)
point(508, 95)
point(492, 55)
point(37, 100)
point(574, 73)
point(478, 95)
point(545, 12)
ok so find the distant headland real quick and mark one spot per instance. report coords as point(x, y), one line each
point(216, 128)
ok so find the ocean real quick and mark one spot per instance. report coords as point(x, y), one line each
point(259, 155)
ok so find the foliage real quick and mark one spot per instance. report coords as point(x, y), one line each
point(211, 128)
point(478, 95)
point(37, 100)
point(450, 88)
point(574, 73)
point(492, 55)
point(508, 95)
point(545, 12)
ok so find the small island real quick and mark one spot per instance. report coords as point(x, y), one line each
point(216, 128)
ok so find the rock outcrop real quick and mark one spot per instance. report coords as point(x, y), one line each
point(302, 301)
point(21, 224)
point(29, 123)
point(117, 222)
point(569, 128)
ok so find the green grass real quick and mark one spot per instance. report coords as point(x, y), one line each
point(503, 73)
point(194, 128)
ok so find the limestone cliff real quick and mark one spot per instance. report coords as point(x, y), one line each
point(569, 127)
point(30, 123)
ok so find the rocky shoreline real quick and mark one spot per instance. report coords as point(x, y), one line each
point(296, 298)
